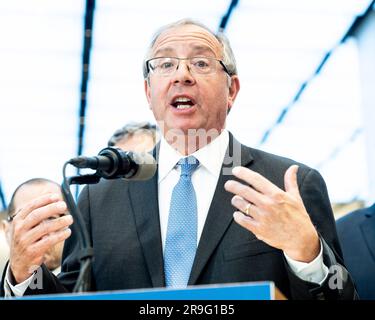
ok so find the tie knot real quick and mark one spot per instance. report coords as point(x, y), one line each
point(188, 165)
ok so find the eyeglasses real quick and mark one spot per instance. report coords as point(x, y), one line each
point(165, 66)
point(11, 217)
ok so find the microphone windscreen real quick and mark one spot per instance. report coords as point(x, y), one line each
point(147, 166)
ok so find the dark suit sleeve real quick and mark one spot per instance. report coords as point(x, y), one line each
point(46, 283)
point(50, 284)
point(2, 291)
point(338, 284)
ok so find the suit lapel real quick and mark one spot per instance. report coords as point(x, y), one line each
point(144, 200)
point(220, 214)
point(368, 231)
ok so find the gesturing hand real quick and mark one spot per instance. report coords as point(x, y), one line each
point(275, 216)
point(34, 232)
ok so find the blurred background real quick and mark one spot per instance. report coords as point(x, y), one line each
point(71, 74)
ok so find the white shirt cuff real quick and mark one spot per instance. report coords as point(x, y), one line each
point(315, 271)
point(19, 289)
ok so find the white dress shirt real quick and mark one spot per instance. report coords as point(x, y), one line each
point(210, 161)
point(210, 158)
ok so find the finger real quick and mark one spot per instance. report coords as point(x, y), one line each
point(256, 180)
point(245, 192)
point(47, 227)
point(37, 203)
point(40, 214)
point(249, 224)
point(290, 180)
point(244, 206)
point(44, 244)
point(245, 221)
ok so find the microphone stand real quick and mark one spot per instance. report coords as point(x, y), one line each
point(111, 163)
point(86, 251)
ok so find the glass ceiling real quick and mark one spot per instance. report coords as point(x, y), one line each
point(278, 46)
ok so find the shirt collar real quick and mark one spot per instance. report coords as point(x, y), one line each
point(210, 156)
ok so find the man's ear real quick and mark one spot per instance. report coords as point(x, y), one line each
point(5, 226)
point(233, 91)
point(148, 91)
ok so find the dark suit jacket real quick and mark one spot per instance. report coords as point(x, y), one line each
point(357, 236)
point(123, 221)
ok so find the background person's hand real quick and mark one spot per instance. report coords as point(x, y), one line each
point(34, 232)
point(275, 216)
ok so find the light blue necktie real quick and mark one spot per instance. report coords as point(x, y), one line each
point(181, 242)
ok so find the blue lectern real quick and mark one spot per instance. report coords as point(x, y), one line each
point(234, 291)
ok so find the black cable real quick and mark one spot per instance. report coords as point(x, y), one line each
point(352, 29)
point(2, 198)
point(226, 17)
point(86, 251)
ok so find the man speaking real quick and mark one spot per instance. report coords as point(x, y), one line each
point(215, 212)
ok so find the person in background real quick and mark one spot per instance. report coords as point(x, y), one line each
point(135, 136)
point(24, 194)
point(4, 247)
point(356, 232)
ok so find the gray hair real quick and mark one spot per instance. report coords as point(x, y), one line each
point(228, 56)
point(130, 129)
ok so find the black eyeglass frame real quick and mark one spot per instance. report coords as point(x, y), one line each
point(11, 217)
point(179, 59)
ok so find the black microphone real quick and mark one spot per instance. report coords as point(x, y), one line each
point(114, 163)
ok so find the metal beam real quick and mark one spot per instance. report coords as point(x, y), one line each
point(226, 17)
point(87, 41)
point(2, 198)
point(352, 29)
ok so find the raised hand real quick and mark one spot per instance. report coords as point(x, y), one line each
point(36, 228)
point(275, 216)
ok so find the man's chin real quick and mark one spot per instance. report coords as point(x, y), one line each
point(51, 262)
point(51, 265)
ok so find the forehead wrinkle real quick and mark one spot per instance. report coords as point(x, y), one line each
point(196, 49)
point(211, 43)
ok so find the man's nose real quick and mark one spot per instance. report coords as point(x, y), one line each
point(183, 74)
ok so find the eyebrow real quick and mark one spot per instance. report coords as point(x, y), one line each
point(197, 49)
point(163, 51)
point(200, 49)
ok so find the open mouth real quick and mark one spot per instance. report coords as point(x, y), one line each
point(182, 103)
